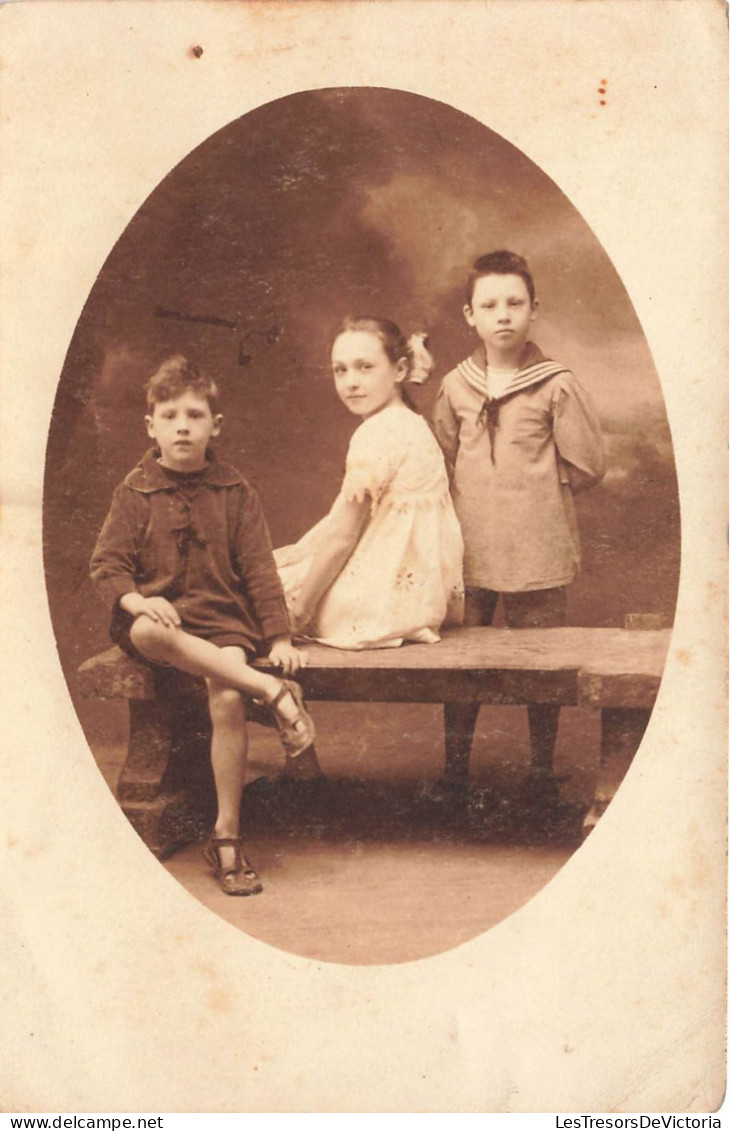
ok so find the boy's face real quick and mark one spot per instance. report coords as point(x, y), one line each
point(182, 428)
point(501, 312)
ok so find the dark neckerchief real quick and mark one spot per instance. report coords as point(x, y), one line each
point(534, 369)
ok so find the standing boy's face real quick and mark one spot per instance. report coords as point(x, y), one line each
point(501, 312)
point(182, 428)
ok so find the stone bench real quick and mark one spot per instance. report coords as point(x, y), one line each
point(615, 671)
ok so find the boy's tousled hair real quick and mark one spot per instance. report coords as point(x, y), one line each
point(500, 263)
point(175, 376)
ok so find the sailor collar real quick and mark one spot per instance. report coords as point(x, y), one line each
point(533, 369)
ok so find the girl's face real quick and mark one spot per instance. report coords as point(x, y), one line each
point(366, 380)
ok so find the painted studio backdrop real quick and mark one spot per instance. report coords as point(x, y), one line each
point(246, 258)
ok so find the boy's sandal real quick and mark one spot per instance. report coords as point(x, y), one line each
point(297, 734)
point(237, 879)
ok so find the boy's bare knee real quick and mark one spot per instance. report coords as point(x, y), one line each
point(150, 638)
point(226, 704)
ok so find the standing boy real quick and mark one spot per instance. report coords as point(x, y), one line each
point(520, 436)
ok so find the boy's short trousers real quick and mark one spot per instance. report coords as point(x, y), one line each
point(122, 622)
point(534, 608)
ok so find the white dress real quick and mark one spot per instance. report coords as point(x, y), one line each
point(404, 578)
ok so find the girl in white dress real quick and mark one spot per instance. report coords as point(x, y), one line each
point(385, 565)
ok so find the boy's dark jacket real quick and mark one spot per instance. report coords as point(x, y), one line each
point(206, 548)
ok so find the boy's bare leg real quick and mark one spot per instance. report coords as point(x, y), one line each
point(229, 745)
point(228, 666)
point(460, 719)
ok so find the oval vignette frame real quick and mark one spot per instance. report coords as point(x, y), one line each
point(246, 257)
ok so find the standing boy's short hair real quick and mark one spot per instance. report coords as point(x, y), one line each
point(500, 263)
point(176, 376)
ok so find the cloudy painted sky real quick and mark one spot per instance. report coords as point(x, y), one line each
point(312, 207)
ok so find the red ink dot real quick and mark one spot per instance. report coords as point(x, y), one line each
point(601, 90)
point(602, 102)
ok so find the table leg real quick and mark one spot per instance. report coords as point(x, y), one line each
point(160, 813)
point(622, 729)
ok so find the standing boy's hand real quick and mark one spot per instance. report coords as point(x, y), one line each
point(285, 656)
point(157, 609)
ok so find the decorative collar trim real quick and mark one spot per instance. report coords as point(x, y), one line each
point(533, 369)
point(149, 476)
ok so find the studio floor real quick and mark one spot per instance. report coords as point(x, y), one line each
point(376, 872)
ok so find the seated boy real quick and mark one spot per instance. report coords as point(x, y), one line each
point(184, 561)
point(520, 436)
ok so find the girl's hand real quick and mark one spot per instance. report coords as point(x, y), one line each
point(157, 609)
point(286, 657)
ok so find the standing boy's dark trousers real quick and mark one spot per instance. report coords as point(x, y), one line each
point(536, 608)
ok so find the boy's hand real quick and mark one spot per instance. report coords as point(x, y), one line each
point(285, 656)
point(156, 608)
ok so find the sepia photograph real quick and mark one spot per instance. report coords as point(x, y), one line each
point(364, 514)
point(278, 263)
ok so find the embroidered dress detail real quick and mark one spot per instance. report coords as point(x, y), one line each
point(404, 578)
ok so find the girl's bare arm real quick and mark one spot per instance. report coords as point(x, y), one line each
point(344, 535)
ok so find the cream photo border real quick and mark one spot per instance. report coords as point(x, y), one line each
point(604, 993)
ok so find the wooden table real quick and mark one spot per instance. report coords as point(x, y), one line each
point(615, 671)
